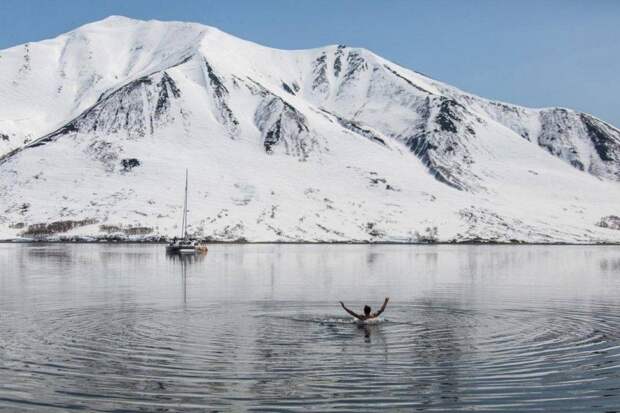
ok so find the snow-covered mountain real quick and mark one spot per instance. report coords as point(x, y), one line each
point(98, 125)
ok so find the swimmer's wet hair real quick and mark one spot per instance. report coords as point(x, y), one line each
point(366, 309)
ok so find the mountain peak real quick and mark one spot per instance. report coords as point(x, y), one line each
point(118, 19)
point(123, 21)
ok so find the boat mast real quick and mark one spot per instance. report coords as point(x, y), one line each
point(185, 209)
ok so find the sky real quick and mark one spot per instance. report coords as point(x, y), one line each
point(533, 53)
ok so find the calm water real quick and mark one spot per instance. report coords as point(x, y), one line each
point(114, 328)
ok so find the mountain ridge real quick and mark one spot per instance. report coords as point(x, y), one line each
point(171, 83)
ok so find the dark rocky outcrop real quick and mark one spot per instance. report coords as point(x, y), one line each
point(135, 109)
point(606, 143)
point(609, 221)
point(338, 60)
point(444, 149)
point(357, 128)
point(320, 83)
point(287, 88)
point(281, 124)
point(47, 229)
point(220, 93)
point(129, 163)
point(409, 82)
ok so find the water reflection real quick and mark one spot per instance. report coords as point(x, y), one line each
point(186, 258)
point(610, 265)
point(183, 261)
point(258, 327)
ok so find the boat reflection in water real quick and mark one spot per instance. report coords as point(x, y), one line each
point(185, 245)
point(184, 260)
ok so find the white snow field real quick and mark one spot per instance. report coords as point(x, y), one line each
point(334, 144)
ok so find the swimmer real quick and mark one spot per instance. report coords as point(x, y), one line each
point(367, 311)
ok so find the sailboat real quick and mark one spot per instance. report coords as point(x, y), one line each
point(185, 245)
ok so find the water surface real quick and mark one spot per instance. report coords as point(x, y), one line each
point(113, 328)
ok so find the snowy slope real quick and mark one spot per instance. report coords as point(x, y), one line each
point(330, 144)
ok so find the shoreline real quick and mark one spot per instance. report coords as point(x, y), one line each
point(466, 242)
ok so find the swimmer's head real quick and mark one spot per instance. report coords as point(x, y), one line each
point(367, 309)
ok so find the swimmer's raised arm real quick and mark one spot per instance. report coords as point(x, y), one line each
point(382, 309)
point(351, 312)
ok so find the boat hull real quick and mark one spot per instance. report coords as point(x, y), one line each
point(194, 249)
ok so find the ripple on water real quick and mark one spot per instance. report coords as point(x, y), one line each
point(279, 357)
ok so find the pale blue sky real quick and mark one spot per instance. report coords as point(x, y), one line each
point(533, 53)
